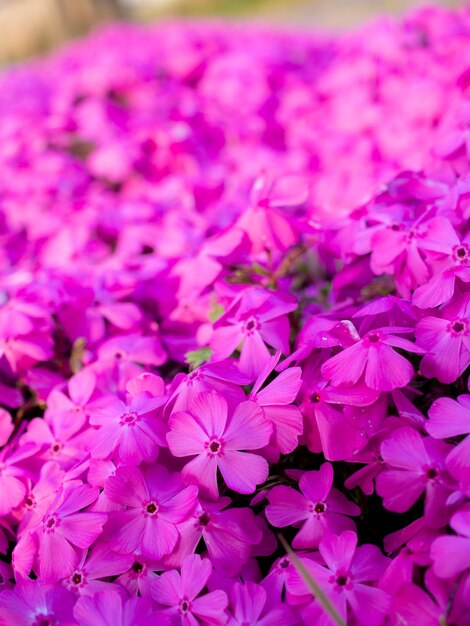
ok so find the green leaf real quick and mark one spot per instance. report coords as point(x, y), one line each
point(197, 357)
point(216, 312)
point(77, 354)
point(312, 585)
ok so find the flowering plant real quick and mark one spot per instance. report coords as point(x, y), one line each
point(235, 317)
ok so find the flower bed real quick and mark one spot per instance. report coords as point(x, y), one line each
point(235, 322)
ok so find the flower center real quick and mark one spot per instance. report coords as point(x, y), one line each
point(432, 473)
point(204, 519)
point(151, 508)
point(44, 620)
point(137, 567)
point(320, 507)
point(56, 447)
point(214, 446)
point(77, 579)
point(461, 252)
point(315, 397)
point(373, 338)
point(184, 606)
point(341, 580)
point(251, 325)
point(284, 563)
point(50, 523)
point(129, 419)
point(29, 502)
point(458, 327)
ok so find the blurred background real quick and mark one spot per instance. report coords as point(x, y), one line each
point(30, 27)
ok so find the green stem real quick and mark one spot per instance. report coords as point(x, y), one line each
point(313, 586)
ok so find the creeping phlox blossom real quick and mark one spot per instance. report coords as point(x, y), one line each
point(235, 314)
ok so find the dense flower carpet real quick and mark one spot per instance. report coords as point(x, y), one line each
point(235, 327)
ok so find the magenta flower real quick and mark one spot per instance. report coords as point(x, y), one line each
point(401, 250)
point(72, 408)
point(229, 535)
point(318, 509)
point(340, 421)
point(39, 496)
point(131, 349)
point(255, 318)
point(446, 341)
point(276, 399)
point(248, 605)
point(108, 607)
point(180, 207)
point(442, 286)
point(374, 358)
point(6, 426)
point(416, 464)
point(140, 574)
point(156, 502)
point(451, 553)
point(66, 529)
point(268, 228)
point(451, 418)
point(102, 562)
point(346, 578)
point(132, 430)
point(25, 335)
point(128, 355)
point(221, 376)
point(217, 441)
point(179, 594)
point(32, 603)
point(58, 439)
point(13, 475)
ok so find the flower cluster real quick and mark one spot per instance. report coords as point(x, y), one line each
point(235, 311)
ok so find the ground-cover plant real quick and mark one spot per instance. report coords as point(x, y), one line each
point(235, 328)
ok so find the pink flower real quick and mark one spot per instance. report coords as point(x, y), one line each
point(102, 562)
point(39, 495)
point(58, 438)
point(229, 534)
point(340, 421)
point(276, 399)
point(156, 502)
point(221, 376)
point(65, 530)
point(72, 408)
point(255, 318)
point(451, 553)
point(374, 358)
point(129, 354)
point(268, 228)
point(108, 607)
point(180, 592)
point(140, 574)
point(25, 335)
point(318, 509)
point(456, 270)
point(33, 603)
point(346, 578)
point(6, 426)
point(248, 605)
point(132, 430)
point(12, 475)
point(216, 441)
point(446, 340)
point(451, 418)
point(416, 464)
point(401, 250)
